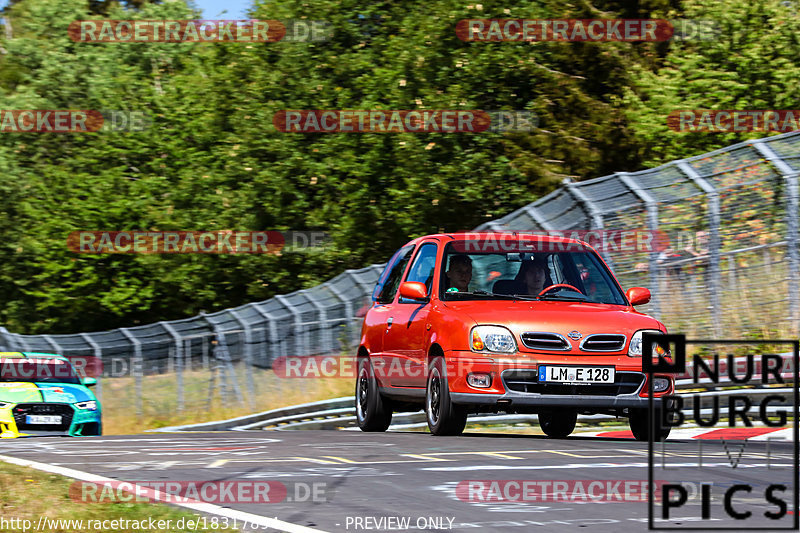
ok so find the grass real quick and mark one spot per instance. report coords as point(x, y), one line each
point(29, 494)
point(160, 398)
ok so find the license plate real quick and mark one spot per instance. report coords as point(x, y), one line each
point(43, 419)
point(576, 374)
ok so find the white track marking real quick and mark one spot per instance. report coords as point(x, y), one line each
point(208, 508)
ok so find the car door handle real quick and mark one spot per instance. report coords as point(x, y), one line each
point(389, 322)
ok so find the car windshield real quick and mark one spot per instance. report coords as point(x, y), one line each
point(470, 274)
point(38, 370)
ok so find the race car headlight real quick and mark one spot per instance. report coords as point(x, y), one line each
point(492, 339)
point(87, 406)
point(635, 346)
point(4, 405)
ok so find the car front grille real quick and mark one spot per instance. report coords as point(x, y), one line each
point(65, 411)
point(603, 342)
point(528, 381)
point(545, 341)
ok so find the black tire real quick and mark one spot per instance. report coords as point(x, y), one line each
point(443, 416)
point(558, 423)
point(373, 412)
point(640, 425)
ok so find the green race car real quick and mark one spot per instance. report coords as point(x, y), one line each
point(42, 394)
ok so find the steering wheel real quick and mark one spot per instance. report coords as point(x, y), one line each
point(559, 286)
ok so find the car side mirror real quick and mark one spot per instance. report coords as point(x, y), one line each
point(413, 290)
point(89, 382)
point(638, 295)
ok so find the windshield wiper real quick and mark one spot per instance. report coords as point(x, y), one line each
point(507, 296)
point(578, 297)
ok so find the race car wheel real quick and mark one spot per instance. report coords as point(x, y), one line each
point(640, 425)
point(558, 423)
point(444, 417)
point(372, 411)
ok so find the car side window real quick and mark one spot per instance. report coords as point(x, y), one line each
point(422, 268)
point(389, 280)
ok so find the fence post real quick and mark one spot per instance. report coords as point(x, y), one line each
point(792, 227)
point(98, 352)
point(248, 356)
point(297, 348)
point(348, 309)
point(715, 243)
point(137, 368)
point(326, 335)
point(178, 367)
point(651, 205)
point(594, 213)
point(273, 329)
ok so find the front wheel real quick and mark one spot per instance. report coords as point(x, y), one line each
point(372, 411)
point(444, 417)
point(640, 425)
point(558, 423)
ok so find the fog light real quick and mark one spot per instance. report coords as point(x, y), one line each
point(660, 384)
point(480, 381)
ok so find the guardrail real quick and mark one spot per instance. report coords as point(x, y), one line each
point(339, 413)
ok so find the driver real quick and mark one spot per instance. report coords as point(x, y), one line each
point(460, 272)
point(532, 276)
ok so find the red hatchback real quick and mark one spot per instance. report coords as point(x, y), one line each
point(490, 322)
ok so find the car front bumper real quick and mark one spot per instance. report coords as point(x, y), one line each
point(81, 422)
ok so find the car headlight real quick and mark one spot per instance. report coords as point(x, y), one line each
point(635, 346)
point(87, 406)
point(4, 405)
point(492, 339)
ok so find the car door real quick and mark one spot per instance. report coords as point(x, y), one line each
point(383, 296)
point(405, 340)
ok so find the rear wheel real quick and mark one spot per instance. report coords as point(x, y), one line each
point(444, 417)
point(372, 411)
point(640, 425)
point(558, 423)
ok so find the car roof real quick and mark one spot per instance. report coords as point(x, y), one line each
point(472, 235)
point(31, 355)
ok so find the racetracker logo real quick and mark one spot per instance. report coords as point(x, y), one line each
point(524, 490)
point(403, 121)
point(71, 121)
point(591, 30)
point(34, 369)
point(175, 242)
point(198, 31)
point(707, 120)
point(602, 240)
point(192, 492)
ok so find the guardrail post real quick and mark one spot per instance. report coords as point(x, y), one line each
point(651, 205)
point(137, 368)
point(178, 361)
point(792, 228)
point(348, 309)
point(248, 356)
point(297, 324)
point(98, 353)
point(715, 243)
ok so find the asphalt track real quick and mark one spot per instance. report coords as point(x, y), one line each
point(414, 476)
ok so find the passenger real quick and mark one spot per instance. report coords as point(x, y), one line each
point(460, 273)
point(532, 276)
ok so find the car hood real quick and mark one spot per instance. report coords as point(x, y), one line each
point(556, 317)
point(26, 392)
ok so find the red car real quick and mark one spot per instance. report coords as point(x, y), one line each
point(488, 322)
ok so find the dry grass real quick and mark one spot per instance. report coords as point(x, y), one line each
point(160, 398)
point(29, 494)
